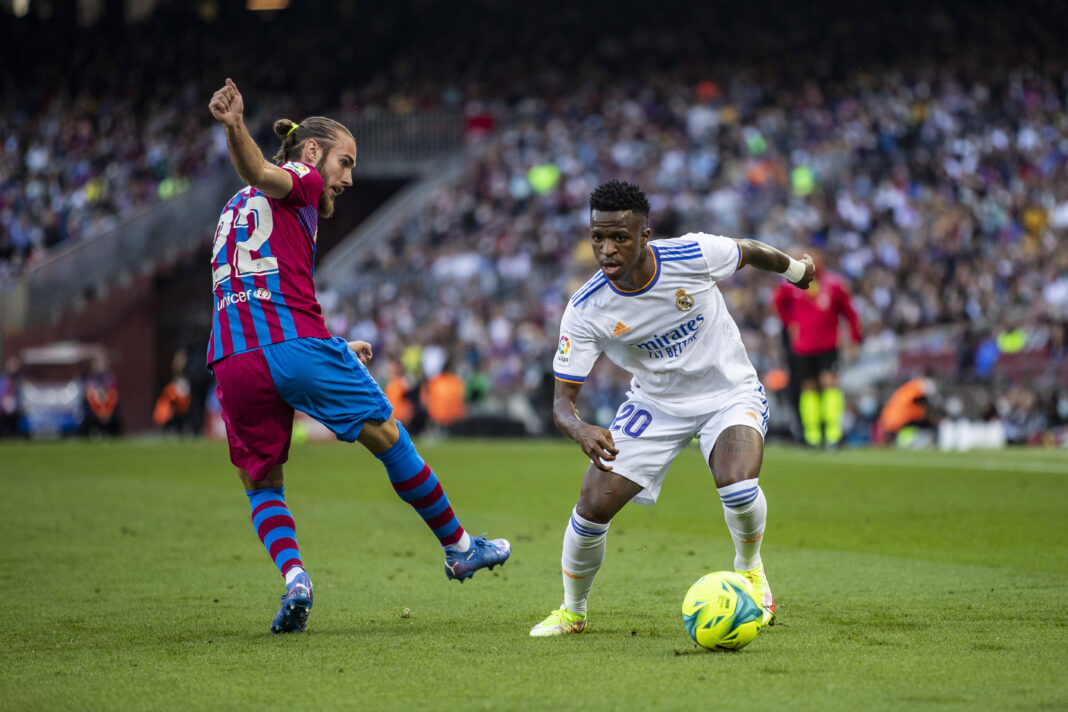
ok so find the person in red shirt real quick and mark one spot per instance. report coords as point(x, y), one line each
point(811, 318)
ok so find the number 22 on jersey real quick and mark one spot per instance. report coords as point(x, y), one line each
point(257, 210)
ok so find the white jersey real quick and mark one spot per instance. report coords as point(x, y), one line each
point(673, 335)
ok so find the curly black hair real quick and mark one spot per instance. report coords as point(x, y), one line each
point(619, 195)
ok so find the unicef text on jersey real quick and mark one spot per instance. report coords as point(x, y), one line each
point(261, 293)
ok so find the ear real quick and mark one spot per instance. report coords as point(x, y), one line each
point(311, 153)
point(646, 233)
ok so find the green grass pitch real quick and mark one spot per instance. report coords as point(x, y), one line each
point(905, 580)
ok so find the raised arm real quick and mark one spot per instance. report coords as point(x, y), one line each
point(765, 257)
point(595, 441)
point(228, 108)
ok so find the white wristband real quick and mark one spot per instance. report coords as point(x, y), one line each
point(795, 272)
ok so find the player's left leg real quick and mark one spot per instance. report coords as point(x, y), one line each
point(735, 463)
point(736, 455)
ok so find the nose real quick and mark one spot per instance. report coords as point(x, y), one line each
point(346, 178)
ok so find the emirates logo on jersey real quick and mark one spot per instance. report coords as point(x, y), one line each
point(683, 301)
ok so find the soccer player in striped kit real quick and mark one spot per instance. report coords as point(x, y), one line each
point(271, 352)
point(654, 310)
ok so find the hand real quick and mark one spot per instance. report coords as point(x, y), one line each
point(810, 272)
point(362, 349)
point(226, 104)
point(852, 351)
point(598, 445)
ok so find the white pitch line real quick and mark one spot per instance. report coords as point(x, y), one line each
point(896, 461)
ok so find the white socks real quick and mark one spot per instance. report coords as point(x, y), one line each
point(746, 512)
point(583, 554)
point(293, 573)
point(463, 545)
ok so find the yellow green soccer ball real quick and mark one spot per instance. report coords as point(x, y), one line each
point(720, 612)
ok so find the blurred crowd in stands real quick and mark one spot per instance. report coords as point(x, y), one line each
point(939, 193)
point(923, 153)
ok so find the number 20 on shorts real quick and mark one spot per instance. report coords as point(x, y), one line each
point(632, 420)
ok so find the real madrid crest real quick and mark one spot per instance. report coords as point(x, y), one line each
point(683, 301)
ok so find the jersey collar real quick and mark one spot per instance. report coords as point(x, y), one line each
point(648, 285)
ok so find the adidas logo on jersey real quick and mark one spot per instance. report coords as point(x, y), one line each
point(621, 328)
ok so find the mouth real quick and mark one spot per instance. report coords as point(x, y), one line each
point(336, 191)
point(610, 268)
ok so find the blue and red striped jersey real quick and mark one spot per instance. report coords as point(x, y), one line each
point(262, 263)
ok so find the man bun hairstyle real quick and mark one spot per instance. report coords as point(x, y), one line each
point(294, 135)
point(617, 195)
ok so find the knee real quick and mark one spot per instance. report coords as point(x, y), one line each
point(272, 480)
point(379, 437)
point(592, 511)
point(733, 475)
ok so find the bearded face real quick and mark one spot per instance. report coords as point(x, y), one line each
point(335, 167)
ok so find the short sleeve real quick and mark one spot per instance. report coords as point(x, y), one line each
point(307, 185)
point(722, 255)
point(576, 351)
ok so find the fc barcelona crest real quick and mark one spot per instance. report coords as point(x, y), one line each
point(683, 301)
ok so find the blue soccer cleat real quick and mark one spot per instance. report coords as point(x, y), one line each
point(293, 616)
point(483, 553)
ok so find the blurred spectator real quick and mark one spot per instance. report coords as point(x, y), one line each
point(907, 411)
point(10, 397)
point(1025, 423)
point(101, 410)
point(444, 397)
point(171, 412)
point(399, 392)
point(201, 381)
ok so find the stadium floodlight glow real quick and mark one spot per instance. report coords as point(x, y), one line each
point(20, 7)
point(266, 4)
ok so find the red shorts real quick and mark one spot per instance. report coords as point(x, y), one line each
point(259, 424)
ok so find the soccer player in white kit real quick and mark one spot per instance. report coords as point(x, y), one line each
point(655, 311)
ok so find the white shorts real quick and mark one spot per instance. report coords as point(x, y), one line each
point(649, 440)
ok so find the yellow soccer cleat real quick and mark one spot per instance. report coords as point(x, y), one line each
point(761, 591)
point(560, 622)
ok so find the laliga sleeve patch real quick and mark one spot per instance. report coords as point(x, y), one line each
point(299, 168)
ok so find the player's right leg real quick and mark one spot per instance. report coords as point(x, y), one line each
point(809, 403)
point(810, 407)
point(603, 495)
point(415, 482)
point(326, 380)
point(832, 405)
point(259, 425)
